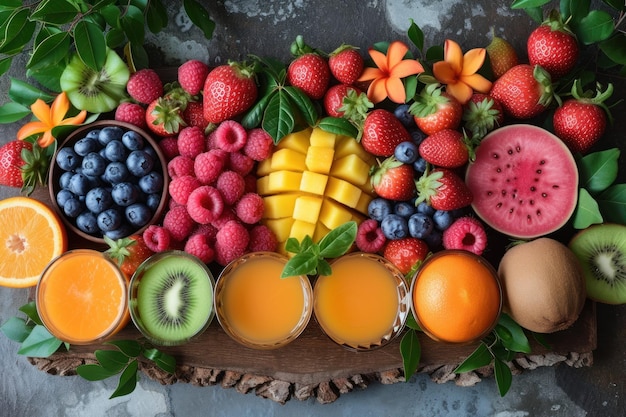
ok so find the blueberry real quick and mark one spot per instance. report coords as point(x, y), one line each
point(420, 165)
point(420, 225)
point(443, 219)
point(153, 201)
point(93, 164)
point(68, 159)
point(434, 240)
point(64, 180)
point(79, 184)
point(86, 221)
point(110, 220)
point(394, 227)
point(93, 134)
point(404, 209)
point(132, 140)
point(109, 133)
point(139, 163)
point(115, 172)
point(379, 208)
point(115, 151)
point(124, 194)
point(64, 195)
point(406, 152)
point(122, 231)
point(86, 145)
point(402, 113)
point(98, 199)
point(73, 207)
point(151, 183)
point(417, 135)
point(424, 207)
point(138, 214)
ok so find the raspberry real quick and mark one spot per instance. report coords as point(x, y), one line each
point(199, 246)
point(231, 242)
point(249, 209)
point(210, 141)
point(145, 86)
point(131, 113)
point(227, 215)
point(179, 166)
point(209, 165)
point(262, 238)
point(191, 141)
point(230, 136)
point(191, 76)
point(250, 181)
point(369, 237)
point(259, 144)
point(169, 147)
point(231, 185)
point(208, 230)
point(466, 233)
point(157, 238)
point(205, 204)
point(240, 163)
point(179, 223)
point(181, 187)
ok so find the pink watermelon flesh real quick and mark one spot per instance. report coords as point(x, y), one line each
point(524, 181)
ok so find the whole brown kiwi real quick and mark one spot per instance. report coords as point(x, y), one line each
point(542, 284)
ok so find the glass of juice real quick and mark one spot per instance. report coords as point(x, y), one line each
point(258, 308)
point(364, 303)
point(171, 298)
point(82, 297)
point(456, 297)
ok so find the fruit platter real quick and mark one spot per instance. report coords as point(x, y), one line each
point(299, 229)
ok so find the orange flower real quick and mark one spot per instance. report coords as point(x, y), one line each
point(458, 71)
point(387, 77)
point(49, 117)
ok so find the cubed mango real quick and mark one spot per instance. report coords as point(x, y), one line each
point(307, 208)
point(287, 159)
point(281, 227)
point(343, 192)
point(279, 205)
point(322, 138)
point(319, 159)
point(300, 229)
point(334, 214)
point(284, 181)
point(351, 168)
point(297, 141)
point(313, 182)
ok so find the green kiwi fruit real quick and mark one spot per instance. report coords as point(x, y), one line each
point(173, 298)
point(96, 92)
point(601, 250)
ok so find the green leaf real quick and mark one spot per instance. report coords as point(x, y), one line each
point(615, 48)
point(598, 170)
point(517, 340)
point(111, 15)
point(338, 241)
point(16, 329)
point(587, 211)
point(411, 352)
point(162, 360)
point(254, 116)
point(128, 380)
point(303, 103)
point(434, 53)
point(48, 77)
point(574, 11)
point(307, 244)
point(111, 360)
point(292, 245)
point(616, 4)
point(481, 356)
point(303, 263)
point(323, 267)
point(199, 17)
point(411, 323)
point(338, 126)
point(26, 94)
point(39, 343)
point(525, 4)
point(278, 120)
point(130, 348)
point(55, 12)
point(612, 204)
point(416, 35)
point(5, 64)
point(115, 38)
point(17, 30)
point(410, 86)
point(140, 56)
point(50, 51)
point(93, 372)
point(156, 16)
point(12, 112)
point(132, 22)
point(90, 44)
point(503, 376)
point(30, 309)
point(597, 26)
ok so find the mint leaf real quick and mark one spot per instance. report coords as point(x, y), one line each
point(338, 241)
point(303, 263)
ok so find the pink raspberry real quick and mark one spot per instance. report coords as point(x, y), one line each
point(230, 136)
point(169, 147)
point(205, 204)
point(208, 230)
point(179, 223)
point(227, 215)
point(191, 76)
point(181, 187)
point(231, 242)
point(370, 237)
point(250, 207)
point(179, 166)
point(145, 86)
point(191, 141)
point(132, 113)
point(157, 238)
point(210, 141)
point(466, 233)
point(199, 246)
point(208, 165)
point(231, 185)
point(262, 238)
point(225, 254)
point(259, 145)
point(250, 181)
point(240, 163)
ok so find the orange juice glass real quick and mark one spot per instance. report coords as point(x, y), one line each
point(364, 303)
point(258, 308)
point(82, 297)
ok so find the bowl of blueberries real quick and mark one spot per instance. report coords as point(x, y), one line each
point(108, 178)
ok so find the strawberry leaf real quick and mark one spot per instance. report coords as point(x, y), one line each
point(278, 119)
point(303, 103)
point(338, 126)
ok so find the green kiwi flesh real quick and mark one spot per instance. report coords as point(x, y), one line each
point(174, 299)
point(601, 250)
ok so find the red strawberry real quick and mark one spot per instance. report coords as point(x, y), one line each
point(194, 115)
point(164, 117)
point(443, 190)
point(11, 163)
point(436, 110)
point(524, 91)
point(128, 252)
point(482, 114)
point(132, 113)
point(191, 76)
point(310, 73)
point(393, 180)
point(382, 132)
point(553, 46)
point(145, 86)
point(406, 254)
point(502, 56)
point(346, 64)
point(446, 148)
point(228, 91)
point(333, 99)
point(581, 121)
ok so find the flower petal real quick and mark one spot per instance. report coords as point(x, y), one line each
point(461, 91)
point(453, 55)
point(473, 60)
point(31, 128)
point(41, 111)
point(477, 82)
point(395, 53)
point(444, 73)
point(377, 90)
point(371, 73)
point(59, 109)
point(406, 67)
point(379, 59)
point(46, 140)
point(395, 90)
point(76, 120)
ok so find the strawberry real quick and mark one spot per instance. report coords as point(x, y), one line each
point(229, 90)
point(164, 117)
point(446, 148)
point(194, 115)
point(406, 254)
point(346, 64)
point(382, 132)
point(443, 190)
point(128, 252)
point(393, 180)
point(482, 114)
point(334, 97)
point(502, 56)
point(581, 120)
point(145, 86)
point(310, 73)
point(435, 110)
point(523, 91)
point(11, 163)
point(553, 46)
point(191, 76)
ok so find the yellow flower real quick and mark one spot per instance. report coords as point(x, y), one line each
point(387, 77)
point(458, 71)
point(49, 117)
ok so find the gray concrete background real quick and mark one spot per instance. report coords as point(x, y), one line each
point(267, 28)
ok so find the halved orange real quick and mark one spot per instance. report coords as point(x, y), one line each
point(31, 235)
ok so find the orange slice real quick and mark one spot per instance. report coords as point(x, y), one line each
point(31, 235)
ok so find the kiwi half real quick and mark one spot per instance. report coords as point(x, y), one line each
point(601, 250)
point(173, 298)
